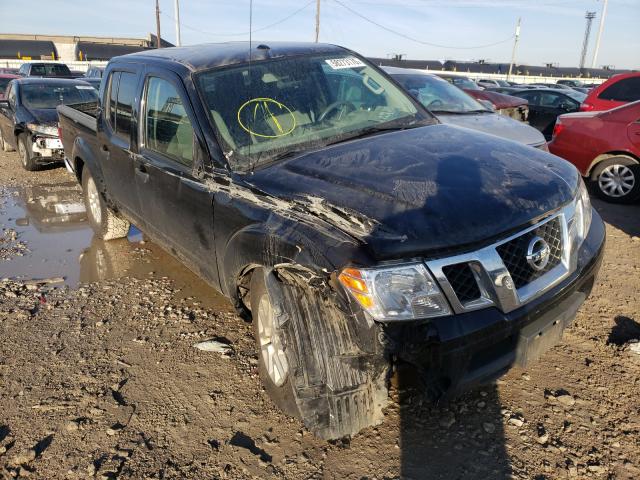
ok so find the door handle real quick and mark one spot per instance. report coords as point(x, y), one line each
point(141, 172)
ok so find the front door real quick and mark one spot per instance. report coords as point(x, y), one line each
point(176, 203)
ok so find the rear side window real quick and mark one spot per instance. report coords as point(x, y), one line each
point(627, 90)
point(122, 92)
point(167, 126)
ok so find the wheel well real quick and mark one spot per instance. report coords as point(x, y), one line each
point(605, 156)
point(243, 291)
point(79, 166)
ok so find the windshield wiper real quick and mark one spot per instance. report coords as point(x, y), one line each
point(367, 132)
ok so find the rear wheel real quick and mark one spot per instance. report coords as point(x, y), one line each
point(311, 357)
point(617, 180)
point(26, 155)
point(105, 223)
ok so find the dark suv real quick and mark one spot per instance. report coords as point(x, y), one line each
point(353, 228)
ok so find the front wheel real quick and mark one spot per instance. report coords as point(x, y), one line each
point(313, 358)
point(26, 155)
point(105, 223)
point(617, 180)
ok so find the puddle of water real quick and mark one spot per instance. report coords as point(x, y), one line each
point(51, 220)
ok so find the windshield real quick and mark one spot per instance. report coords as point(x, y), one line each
point(463, 82)
point(50, 70)
point(47, 95)
point(438, 95)
point(578, 96)
point(274, 107)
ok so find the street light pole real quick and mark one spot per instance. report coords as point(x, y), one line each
point(158, 45)
point(600, 29)
point(515, 46)
point(317, 20)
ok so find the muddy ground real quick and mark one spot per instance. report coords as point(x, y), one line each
point(99, 376)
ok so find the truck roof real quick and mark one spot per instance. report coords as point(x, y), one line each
point(211, 55)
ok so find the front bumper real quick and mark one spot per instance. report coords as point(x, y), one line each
point(456, 353)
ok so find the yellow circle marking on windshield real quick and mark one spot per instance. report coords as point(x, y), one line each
point(262, 111)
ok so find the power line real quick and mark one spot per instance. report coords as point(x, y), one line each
point(239, 34)
point(407, 37)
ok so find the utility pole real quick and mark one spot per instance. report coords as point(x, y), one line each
point(177, 10)
point(515, 46)
point(602, 17)
point(589, 16)
point(317, 20)
point(158, 25)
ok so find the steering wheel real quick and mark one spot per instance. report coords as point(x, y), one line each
point(436, 103)
point(335, 106)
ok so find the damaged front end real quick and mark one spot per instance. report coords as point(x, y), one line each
point(46, 145)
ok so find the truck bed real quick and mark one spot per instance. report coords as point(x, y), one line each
point(83, 114)
point(78, 125)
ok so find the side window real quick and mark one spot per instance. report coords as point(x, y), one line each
point(11, 96)
point(531, 97)
point(550, 99)
point(167, 127)
point(627, 90)
point(112, 89)
point(121, 93)
point(124, 106)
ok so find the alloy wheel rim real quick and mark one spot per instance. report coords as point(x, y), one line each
point(94, 201)
point(616, 180)
point(271, 348)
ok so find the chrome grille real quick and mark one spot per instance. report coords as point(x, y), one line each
point(462, 281)
point(514, 252)
point(499, 274)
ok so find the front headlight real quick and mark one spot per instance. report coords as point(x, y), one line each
point(582, 217)
point(43, 129)
point(399, 292)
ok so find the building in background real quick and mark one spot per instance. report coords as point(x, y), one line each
point(69, 48)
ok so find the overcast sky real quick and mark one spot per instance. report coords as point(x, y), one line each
point(552, 30)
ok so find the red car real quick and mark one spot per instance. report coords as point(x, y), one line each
point(5, 78)
point(618, 90)
point(605, 147)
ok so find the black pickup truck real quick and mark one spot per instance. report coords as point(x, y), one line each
point(340, 216)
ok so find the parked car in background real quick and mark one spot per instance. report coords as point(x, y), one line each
point(29, 120)
point(353, 228)
point(10, 71)
point(605, 147)
point(546, 104)
point(93, 76)
point(5, 78)
point(507, 105)
point(490, 82)
point(454, 106)
point(45, 69)
point(618, 90)
point(571, 82)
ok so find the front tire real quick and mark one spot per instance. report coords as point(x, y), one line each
point(617, 180)
point(26, 155)
point(105, 223)
point(3, 144)
point(332, 371)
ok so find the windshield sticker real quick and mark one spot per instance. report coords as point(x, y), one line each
point(346, 62)
point(84, 87)
point(266, 117)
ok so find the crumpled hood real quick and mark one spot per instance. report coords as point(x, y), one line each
point(44, 116)
point(495, 124)
point(422, 190)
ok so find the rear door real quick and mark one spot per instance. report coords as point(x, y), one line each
point(115, 137)
point(177, 205)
